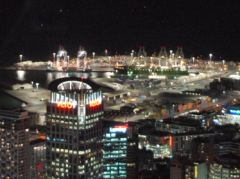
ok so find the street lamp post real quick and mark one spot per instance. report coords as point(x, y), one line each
point(151, 62)
point(106, 52)
point(37, 85)
point(193, 58)
point(210, 56)
point(20, 57)
point(131, 54)
point(54, 56)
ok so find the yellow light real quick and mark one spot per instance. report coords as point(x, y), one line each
point(195, 171)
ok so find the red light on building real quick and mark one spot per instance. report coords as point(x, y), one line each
point(64, 105)
point(39, 166)
point(94, 105)
point(42, 137)
point(121, 126)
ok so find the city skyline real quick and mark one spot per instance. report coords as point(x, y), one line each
point(119, 89)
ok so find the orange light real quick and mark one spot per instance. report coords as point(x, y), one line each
point(42, 137)
point(171, 142)
point(64, 105)
point(122, 126)
point(94, 103)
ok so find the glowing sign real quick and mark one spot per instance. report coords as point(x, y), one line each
point(94, 105)
point(233, 111)
point(65, 105)
point(119, 128)
point(55, 139)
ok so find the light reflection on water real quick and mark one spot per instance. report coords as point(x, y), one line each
point(44, 77)
point(21, 75)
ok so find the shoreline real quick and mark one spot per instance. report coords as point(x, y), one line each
point(54, 70)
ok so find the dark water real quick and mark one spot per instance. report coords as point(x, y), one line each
point(44, 77)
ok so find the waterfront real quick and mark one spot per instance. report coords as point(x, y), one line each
point(44, 77)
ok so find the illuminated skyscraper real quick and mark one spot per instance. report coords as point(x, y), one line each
point(14, 144)
point(120, 151)
point(38, 156)
point(74, 129)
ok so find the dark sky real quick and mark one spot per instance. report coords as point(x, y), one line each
point(37, 27)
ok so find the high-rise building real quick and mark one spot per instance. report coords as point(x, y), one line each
point(119, 150)
point(38, 156)
point(74, 129)
point(227, 168)
point(185, 169)
point(14, 144)
point(227, 160)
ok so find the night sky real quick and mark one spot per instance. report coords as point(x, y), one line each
point(36, 28)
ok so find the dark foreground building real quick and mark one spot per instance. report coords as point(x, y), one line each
point(74, 129)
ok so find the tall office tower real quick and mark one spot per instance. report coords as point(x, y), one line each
point(119, 151)
point(38, 156)
point(14, 144)
point(74, 129)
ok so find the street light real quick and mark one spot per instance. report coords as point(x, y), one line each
point(106, 52)
point(37, 85)
point(131, 54)
point(151, 58)
point(193, 58)
point(223, 61)
point(54, 56)
point(210, 56)
point(20, 57)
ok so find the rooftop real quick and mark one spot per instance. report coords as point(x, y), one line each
point(10, 102)
point(183, 120)
point(76, 84)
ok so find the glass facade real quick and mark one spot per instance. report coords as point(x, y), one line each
point(74, 134)
point(115, 144)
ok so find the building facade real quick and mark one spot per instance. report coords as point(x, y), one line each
point(224, 171)
point(74, 129)
point(38, 157)
point(14, 144)
point(120, 151)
